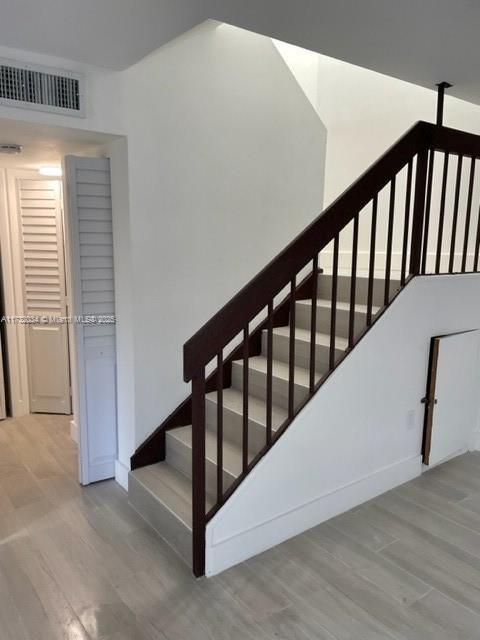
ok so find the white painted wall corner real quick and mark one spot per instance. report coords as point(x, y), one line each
point(74, 431)
point(121, 474)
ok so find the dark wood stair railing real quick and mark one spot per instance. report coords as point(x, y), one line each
point(268, 300)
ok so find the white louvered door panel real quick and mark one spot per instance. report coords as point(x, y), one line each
point(91, 240)
point(41, 232)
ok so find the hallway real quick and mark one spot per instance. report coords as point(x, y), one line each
point(79, 564)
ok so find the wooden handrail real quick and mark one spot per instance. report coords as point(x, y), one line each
point(455, 141)
point(202, 347)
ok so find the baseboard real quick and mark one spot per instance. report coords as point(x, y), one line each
point(121, 474)
point(73, 431)
point(227, 552)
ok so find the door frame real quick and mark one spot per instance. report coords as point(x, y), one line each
point(60, 232)
point(77, 363)
point(14, 305)
point(12, 285)
point(429, 400)
point(12, 266)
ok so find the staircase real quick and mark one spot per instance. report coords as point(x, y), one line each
point(276, 342)
point(162, 492)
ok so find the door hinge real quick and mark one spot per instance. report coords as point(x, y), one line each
point(427, 401)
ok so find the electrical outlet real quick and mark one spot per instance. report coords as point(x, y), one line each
point(411, 419)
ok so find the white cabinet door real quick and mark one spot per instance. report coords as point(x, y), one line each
point(91, 246)
point(453, 409)
point(41, 233)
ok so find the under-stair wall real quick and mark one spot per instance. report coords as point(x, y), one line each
point(359, 436)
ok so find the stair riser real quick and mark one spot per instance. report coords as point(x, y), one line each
point(303, 317)
point(281, 351)
point(258, 386)
point(233, 427)
point(175, 532)
point(179, 456)
point(361, 289)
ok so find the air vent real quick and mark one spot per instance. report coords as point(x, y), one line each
point(10, 149)
point(40, 88)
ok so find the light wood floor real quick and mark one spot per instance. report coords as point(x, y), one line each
point(78, 564)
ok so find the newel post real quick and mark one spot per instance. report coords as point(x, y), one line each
point(198, 474)
point(418, 211)
point(440, 100)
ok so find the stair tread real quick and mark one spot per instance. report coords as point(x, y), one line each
point(280, 370)
point(171, 487)
point(233, 400)
point(342, 306)
point(321, 339)
point(232, 454)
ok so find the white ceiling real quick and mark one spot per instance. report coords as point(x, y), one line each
point(421, 41)
point(108, 33)
point(46, 145)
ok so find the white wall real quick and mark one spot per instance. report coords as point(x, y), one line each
point(345, 449)
point(365, 113)
point(226, 161)
point(224, 165)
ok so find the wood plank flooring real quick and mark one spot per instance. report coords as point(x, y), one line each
point(79, 564)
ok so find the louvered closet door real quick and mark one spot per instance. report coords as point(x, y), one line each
point(44, 295)
point(91, 243)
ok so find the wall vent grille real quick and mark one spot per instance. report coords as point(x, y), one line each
point(40, 88)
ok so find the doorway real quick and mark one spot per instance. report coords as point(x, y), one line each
point(452, 397)
point(40, 218)
point(57, 256)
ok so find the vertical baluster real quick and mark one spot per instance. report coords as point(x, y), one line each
point(333, 310)
point(441, 216)
point(245, 400)
point(468, 214)
point(388, 257)
point(371, 267)
point(313, 323)
point(477, 243)
point(427, 211)
point(353, 283)
point(406, 222)
point(220, 427)
point(198, 473)
point(418, 211)
point(291, 354)
point(269, 371)
point(451, 260)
